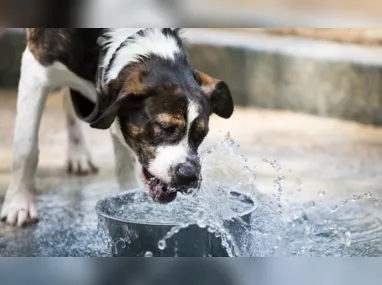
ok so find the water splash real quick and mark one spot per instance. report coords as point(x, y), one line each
point(277, 227)
point(162, 244)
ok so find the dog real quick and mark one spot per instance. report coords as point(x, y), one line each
point(136, 83)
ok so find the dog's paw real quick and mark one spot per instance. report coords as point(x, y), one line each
point(19, 208)
point(81, 166)
point(80, 163)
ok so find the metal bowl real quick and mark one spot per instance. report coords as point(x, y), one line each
point(131, 238)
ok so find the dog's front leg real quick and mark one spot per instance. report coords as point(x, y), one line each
point(79, 158)
point(19, 205)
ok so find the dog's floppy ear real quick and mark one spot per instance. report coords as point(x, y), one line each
point(113, 96)
point(218, 93)
point(106, 113)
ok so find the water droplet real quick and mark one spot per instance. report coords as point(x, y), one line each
point(202, 224)
point(148, 254)
point(377, 201)
point(334, 208)
point(344, 202)
point(348, 234)
point(162, 244)
point(367, 195)
point(243, 158)
point(298, 190)
point(312, 204)
point(211, 229)
point(355, 197)
point(321, 193)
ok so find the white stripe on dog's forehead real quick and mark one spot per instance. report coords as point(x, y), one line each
point(192, 114)
point(154, 41)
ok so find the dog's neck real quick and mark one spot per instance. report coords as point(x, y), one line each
point(121, 47)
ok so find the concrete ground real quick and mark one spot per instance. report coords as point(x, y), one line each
point(339, 157)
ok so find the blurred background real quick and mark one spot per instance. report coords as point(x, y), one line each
point(195, 13)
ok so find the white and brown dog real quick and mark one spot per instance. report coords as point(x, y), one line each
point(135, 82)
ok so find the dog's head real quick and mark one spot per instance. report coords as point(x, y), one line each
point(160, 109)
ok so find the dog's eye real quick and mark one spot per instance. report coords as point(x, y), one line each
point(166, 128)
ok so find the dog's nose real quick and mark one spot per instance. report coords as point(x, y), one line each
point(187, 173)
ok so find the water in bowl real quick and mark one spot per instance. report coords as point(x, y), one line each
point(185, 210)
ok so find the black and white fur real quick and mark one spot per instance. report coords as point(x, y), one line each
point(42, 70)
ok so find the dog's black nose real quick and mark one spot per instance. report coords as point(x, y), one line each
point(187, 173)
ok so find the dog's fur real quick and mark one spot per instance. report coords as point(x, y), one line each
point(135, 82)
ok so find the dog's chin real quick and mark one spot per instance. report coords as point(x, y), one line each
point(157, 189)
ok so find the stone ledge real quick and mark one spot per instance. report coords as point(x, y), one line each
point(290, 73)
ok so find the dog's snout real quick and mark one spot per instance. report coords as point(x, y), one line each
point(187, 173)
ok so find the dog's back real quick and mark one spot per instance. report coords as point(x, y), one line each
point(75, 48)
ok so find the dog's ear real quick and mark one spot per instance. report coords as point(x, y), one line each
point(114, 95)
point(218, 93)
point(107, 112)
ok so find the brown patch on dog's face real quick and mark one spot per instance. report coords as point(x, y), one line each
point(198, 130)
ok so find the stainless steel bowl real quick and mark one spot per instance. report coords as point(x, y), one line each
point(130, 238)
